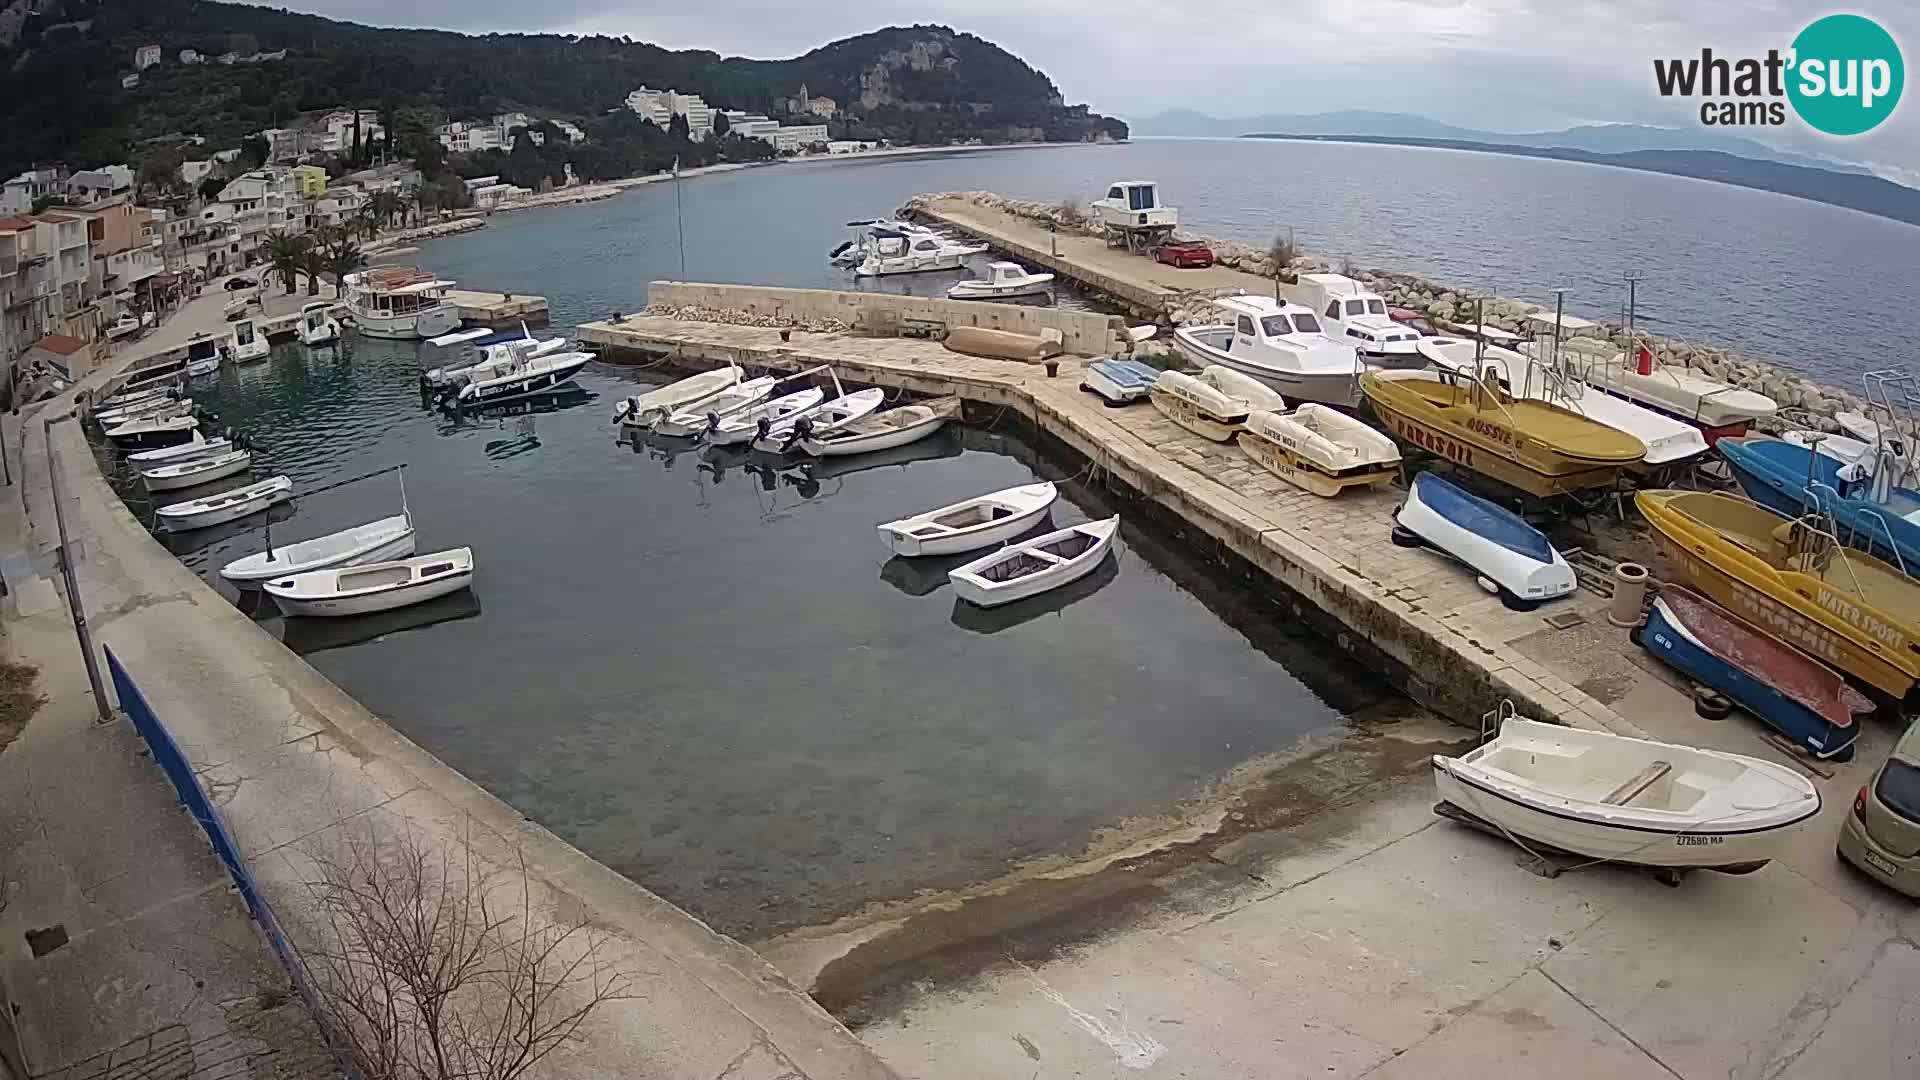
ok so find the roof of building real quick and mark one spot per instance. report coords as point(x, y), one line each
point(60, 343)
point(16, 222)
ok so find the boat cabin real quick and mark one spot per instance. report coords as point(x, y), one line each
point(202, 347)
point(395, 292)
point(314, 316)
point(244, 334)
point(1352, 313)
point(1006, 273)
point(1132, 203)
point(1259, 323)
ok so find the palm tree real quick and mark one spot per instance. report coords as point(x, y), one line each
point(343, 257)
point(284, 251)
point(383, 206)
point(366, 225)
point(313, 263)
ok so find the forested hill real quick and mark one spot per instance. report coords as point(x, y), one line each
point(62, 62)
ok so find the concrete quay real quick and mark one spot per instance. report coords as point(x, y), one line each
point(499, 310)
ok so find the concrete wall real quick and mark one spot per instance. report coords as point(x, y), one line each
point(1084, 333)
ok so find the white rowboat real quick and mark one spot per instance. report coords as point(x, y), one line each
point(201, 470)
point(362, 590)
point(1035, 566)
point(644, 410)
point(198, 447)
point(780, 435)
point(145, 433)
point(883, 430)
point(376, 541)
point(970, 525)
point(227, 506)
point(743, 426)
point(692, 420)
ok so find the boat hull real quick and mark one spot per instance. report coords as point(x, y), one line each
point(1337, 388)
point(406, 596)
point(251, 572)
point(1119, 382)
point(969, 291)
point(509, 389)
point(240, 463)
point(968, 586)
point(1471, 531)
point(425, 323)
point(1206, 423)
point(866, 444)
point(232, 512)
point(153, 439)
point(901, 541)
point(649, 409)
point(1301, 472)
point(1775, 474)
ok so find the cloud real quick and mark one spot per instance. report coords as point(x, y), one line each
point(1501, 64)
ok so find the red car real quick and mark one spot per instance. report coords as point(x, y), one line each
point(1413, 319)
point(1185, 254)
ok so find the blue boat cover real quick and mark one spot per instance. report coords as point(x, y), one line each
point(1482, 518)
point(1129, 373)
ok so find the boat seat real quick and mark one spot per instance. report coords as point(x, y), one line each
point(1640, 782)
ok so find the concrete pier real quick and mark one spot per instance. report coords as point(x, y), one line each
point(499, 310)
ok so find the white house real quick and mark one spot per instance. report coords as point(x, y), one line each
point(571, 131)
point(192, 172)
point(18, 195)
point(659, 107)
point(92, 185)
point(145, 57)
point(494, 196)
point(798, 137)
point(465, 138)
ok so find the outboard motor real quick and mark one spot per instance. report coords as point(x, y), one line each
point(762, 426)
point(802, 428)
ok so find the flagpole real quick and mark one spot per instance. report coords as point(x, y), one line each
point(680, 218)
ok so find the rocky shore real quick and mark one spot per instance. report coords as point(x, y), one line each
point(1809, 404)
point(427, 232)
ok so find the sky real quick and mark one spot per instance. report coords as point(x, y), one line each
point(1503, 65)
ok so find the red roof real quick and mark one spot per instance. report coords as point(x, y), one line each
point(60, 343)
point(16, 222)
point(59, 218)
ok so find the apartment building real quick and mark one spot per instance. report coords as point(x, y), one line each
point(125, 244)
point(29, 289)
point(659, 107)
point(18, 195)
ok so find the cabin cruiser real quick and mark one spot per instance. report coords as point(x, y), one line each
point(1281, 345)
point(317, 326)
point(1349, 312)
point(248, 344)
point(895, 251)
point(400, 302)
point(203, 355)
point(853, 251)
point(1004, 281)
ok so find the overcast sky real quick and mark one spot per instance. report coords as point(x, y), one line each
point(1509, 65)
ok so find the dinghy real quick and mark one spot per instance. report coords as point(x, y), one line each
point(1803, 699)
point(1034, 566)
point(376, 541)
point(147, 434)
point(1512, 557)
point(1256, 394)
point(883, 430)
point(362, 590)
point(173, 476)
point(1319, 449)
point(970, 525)
point(1120, 381)
point(691, 420)
point(1625, 800)
point(743, 425)
point(1004, 281)
point(197, 447)
point(227, 506)
point(1198, 406)
point(643, 410)
point(778, 436)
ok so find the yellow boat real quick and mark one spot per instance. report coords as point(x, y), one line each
point(1539, 448)
point(1794, 581)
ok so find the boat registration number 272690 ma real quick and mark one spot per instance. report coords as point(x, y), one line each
point(1699, 841)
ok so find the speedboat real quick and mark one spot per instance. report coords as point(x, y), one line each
point(1120, 381)
point(1625, 800)
point(853, 250)
point(1279, 344)
point(1512, 558)
point(691, 420)
point(1034, 566)
point(247, 345)
point(1356, 316)
point(1871, 513)
point(383, 586)
point(1319, 449)
point(317, 325)
point(778, 436)
point(971, 524)
point(489, 360)
point(1004, 281)
point(883, 430)
point(230, 505)
point(643, 410)
point(898, 252)
point(1198, 406)
point(147, 433)
point(744, 425)
point(376, 541)
point(174, 475)
point(532, 375)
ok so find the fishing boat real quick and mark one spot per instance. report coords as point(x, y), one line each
point(692, 420)
point(148, 433)
point(972, 524)
point(743, 425)
point(1034, 566)
point(1535, 447)
point(383, 586)
point(1798, 696)
point(196, 447)
point(1120, 381)
point(1512, 558)
point(1843, 607)
point(203, 356)
point(642, 410)
point(1356, 315)
point(317, 325)
point(884, 430)
point(894, 251)
point(230, 505)
point(1319, 449)
point(1198, 406)
point(1868, 510)
point(777, 436)
point(399, 302)
point(1256, 394)
point(246, 344)
point(1632, 801)
point(172, 476)
point(376, 541)
point(530, 375)
point(1004, 281)
point(1719, 409)
point(1279, 344)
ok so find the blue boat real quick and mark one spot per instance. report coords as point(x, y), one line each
point(1794, 480)
point(1789, 691)
point(1494, 542)
point(1120, 381)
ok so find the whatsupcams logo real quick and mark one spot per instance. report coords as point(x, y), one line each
point(1842, 75)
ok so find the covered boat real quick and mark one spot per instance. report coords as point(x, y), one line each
point(1004, 281)
point(247, 345)
point(643, 410)
point(778, 436)
point(317, 324)
point(1002, 344)
point(1803, 699)
point(1538, 448)
point(1626, 800)
point(971, 524)
point(743, 425)
point(362, 590)
point(1319, 449)
point(1870, 512)
point(1492, 541)
point(1281, 345)
point(1358, 316)
point(883, 430)
point(912, 251)
point(1719, 409)
point(203, 355)
point(1034, 566)
point(376, 541)
point(231, 505)
point(1120, 381)
point(174, 475)
point(690, 420)
point(1198, 406)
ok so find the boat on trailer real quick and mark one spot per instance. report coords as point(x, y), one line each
point(1319, 449)
point(1034, 566)
point(231, 505)
point(1719, 409)
point(1120, 382)
point(1616, 799)
point(1198, 406)
point(883, 430)
point(971, 524)
point(363, 590)
point(1512, 558)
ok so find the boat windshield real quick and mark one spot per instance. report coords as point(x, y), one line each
point(1376, 307)
point(1276, 326)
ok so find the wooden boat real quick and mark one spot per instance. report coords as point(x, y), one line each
point(362, 590)
point(1492, 541)
point(972, 524)
point(883, 430)
point(1001, 344)
point(743, 426)
point(1803, 699)
point(1535, 447)
point(690, 420)
point(1034, 566)
point(376, 541)
point(778, 436)
point(197, 447)
point(643, 410)
point(172, 476)
point(1875, 516)
point(1843, 607)
point(1004, 281)
point(1198, 406)
point(1120, 381)
point(1256, 394)
point(147, 434)
point(1319, 449)
point(227, 506)
point(1631, 801)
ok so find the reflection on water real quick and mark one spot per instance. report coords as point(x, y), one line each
point(992, 620)
point(309, 636)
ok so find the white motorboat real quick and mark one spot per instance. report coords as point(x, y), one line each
point(1627, 800)
point(1034, 566)
point(490, 360)
point(317, 325)
point(1720, 408)
point(644, 410)
point(1004, 281)
point(883, 430)
point(1120, 381)
point(743, 425)
point(532, 375)
point(135, 397)
point(383, 586)
point(1319, 449)
point(156, 409)
point(247, 345)
point(778, 436)
point(198, 446)
point(1279, 344)
point(686, 422)
point(126, 325)
point(972, 524)
point(897, 252)
point(1198, 406)
point(1512, 558)
point(203, 356)
point(1354, 314)
point(146, 433)
point(1841, 448)
point(400, 302)
point(376, 541)
point(854, 250)
point(230, 505)
point(174, 475)
point(1256, 394)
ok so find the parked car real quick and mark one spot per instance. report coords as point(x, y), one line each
point(239, 282)
point(1184, 254)
point(1882, 834)
point(1413, 320)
